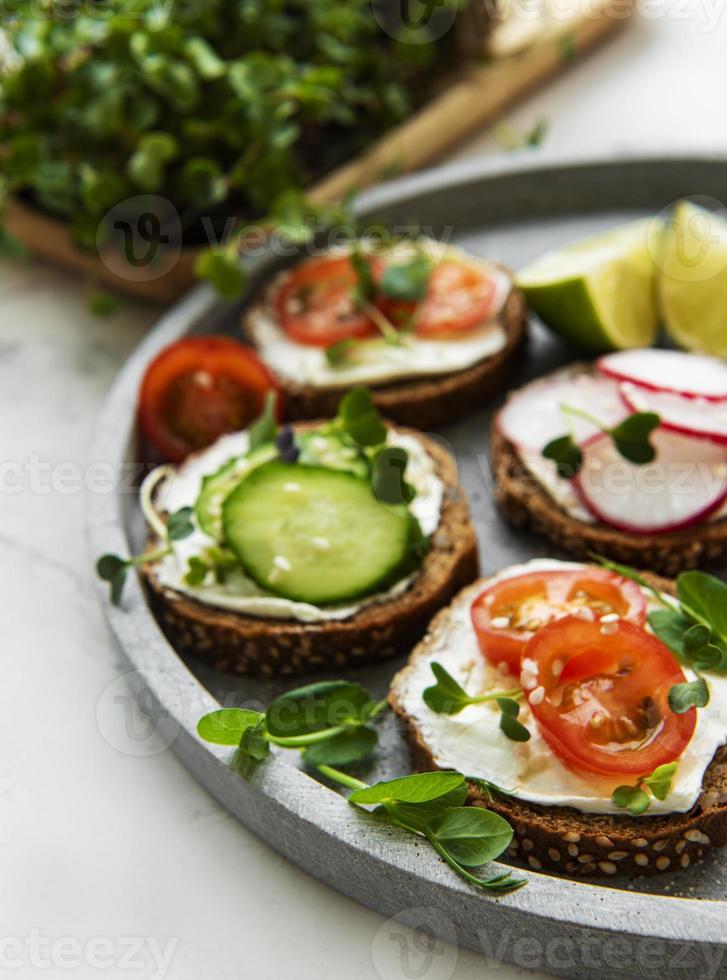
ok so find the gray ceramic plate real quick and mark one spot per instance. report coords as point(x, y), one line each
point(671, 925)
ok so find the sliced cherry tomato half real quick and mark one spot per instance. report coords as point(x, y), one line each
point(316, 302)
point(601, 698)
point(507, 614)
point(196, 390)
point(459, 298)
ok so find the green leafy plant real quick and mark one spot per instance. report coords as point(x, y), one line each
point(447, 697)
point(331, 723)
point(636, 799)
point(114, 569)
point(225, 109)
point(630, 437)
point(693, 625)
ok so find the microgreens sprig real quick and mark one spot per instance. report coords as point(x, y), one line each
point(331, 723)
point(431, 805)
point(630, 437)
point(114, 569)
point(693, 624)
point(636, 799)
point(448, 697)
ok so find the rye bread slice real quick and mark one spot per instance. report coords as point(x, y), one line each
point(422, 402)
point(525, 503)
point(241, 644)
point(566, 840)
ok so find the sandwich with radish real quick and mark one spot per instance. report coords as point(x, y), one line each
point(625, 457)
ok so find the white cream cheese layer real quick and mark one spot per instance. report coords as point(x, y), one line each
point(239, 593)
point(472, 742)
point(377, 361)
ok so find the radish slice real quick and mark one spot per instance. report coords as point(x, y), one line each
point(690, 375)
point(533, 415)
point(696, 417)
point(685, 484)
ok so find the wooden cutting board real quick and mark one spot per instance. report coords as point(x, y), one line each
point(475, 99)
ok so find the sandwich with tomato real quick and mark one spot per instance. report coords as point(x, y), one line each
point(280, 550)
point(432, 330)
point(586, 708)
point(626, 457)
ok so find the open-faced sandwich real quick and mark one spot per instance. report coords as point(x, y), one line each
point(284, 550)
point(431, 329)
point(587, 708)
point(626, 457)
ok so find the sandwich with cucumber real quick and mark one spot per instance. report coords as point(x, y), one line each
point(286, 549)
point(431, 329)
point(626, 457)
point(586, 705)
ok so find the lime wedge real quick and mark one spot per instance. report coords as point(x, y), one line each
point(599, 292)
point(692, 286)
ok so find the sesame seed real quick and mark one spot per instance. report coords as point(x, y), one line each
point(641, 859)
point(527, 844)
point(291, 487)
point(640, 842)
point(608, 867)
point(663, 863)
point(528, 664)
point(573, 850)
point(597, 720)
point(557, 668)
point(584, 613)
point(604, 841)
point(585, 858)
point(659, 845)
point(617, 855)
point(500, 623)
point(572, 836)
point(610, 618)
point(528, 681)
point(536, 697)
point(685, 861)
point(281, 562)
point(534, 863)
point(553, 854)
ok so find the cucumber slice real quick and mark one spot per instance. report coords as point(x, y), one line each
point(316, 535)
point(216, 486)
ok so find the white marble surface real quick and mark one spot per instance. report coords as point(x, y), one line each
point(118, 859)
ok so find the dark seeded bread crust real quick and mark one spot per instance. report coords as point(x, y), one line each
point(424, 402)
point(523, 502)
point(239, 644)
point(565, 840)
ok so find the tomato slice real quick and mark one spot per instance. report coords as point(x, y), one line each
point(601, 696)
point(196, 390)
point(316, 302)
point(507, 614)
point(459, 297)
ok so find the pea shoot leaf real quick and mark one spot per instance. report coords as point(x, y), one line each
point(253, 742)
point(670, 625)
point(706, 596)
point(265, 428)
point(509, 725)
point(388, 476)
point(222, 269)
point(180, 524)
point(566, 455)
point(446, 697)
point(660, 781)
point(421, 816)
point(699, 649)
point(113, 570)
point(227, 725)
point(365, 286)
point(315, 707)
point(691, 694)
point(419, 788)
point(407, 281)
point(631, 437)
point(472, 835)
point(631, 798)
point(360, 418)
point(342, 749)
